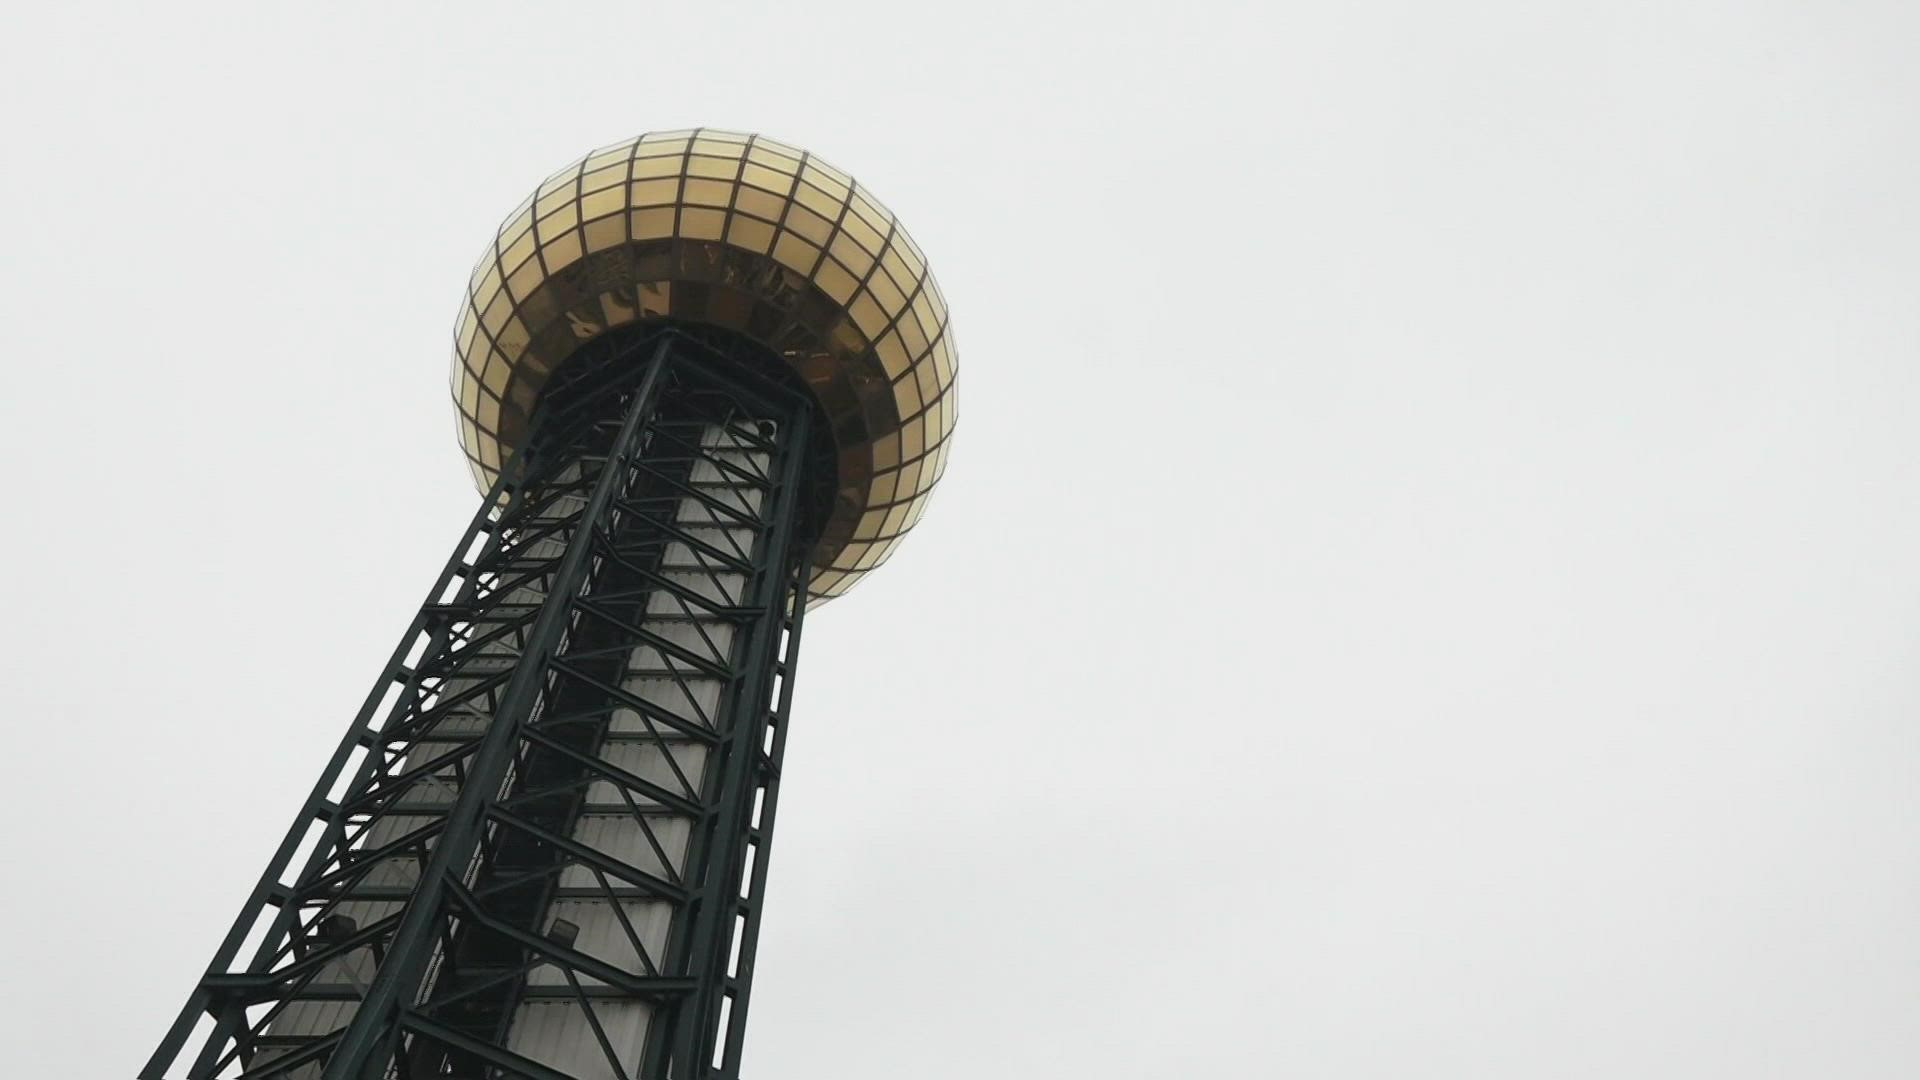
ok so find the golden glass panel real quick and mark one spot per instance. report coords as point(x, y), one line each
point(868, 316)
point(828, 182)
point(564, 178)
point(893, 354)
point(819, 201)
point(708, 193)
point(525, 280)
point(553, 200)
point(564, 217)
point(654, 192)
point(608, 232)
point(487, 281)
point(863, 234)
point(469, 323)
point(517, 224)
point(894, 517)
point(618, 153)
point(761, 204)
point(702, 224)
point(937, 301)
point(916, 263)
point(911, 334)
point(713, 168)
point(896, 269)
point(776, 173)
point(937, 414)
point(652, 224)
point(517, 252)
point(809, 224)
point(561, 253)
point(681, 183)
point(497, 373)
point(943, 362)
point(870, 211)
point(495, 316)
point(745, 232)
point(646, 167)
point(929, 385)
point(886, 293)
point(855, 260)
point(601, 203)
point(836, 282)
point(827, 167)
point(769, 179)
point(795, 254)
point(906, 397)
point(604, 178)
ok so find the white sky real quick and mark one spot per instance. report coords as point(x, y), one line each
point(1426, 584)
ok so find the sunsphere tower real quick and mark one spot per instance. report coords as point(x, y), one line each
point(705, 381)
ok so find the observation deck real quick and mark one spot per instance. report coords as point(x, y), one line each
point(715, 229)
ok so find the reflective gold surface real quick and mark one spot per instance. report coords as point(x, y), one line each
point(745, 233)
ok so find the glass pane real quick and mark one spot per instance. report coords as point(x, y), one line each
point(715, 168)
point(754, 236)
point(699, 224)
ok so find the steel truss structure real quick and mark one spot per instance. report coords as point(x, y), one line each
point(541, 849)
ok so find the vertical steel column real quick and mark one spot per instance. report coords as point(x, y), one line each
point(369, 1043)
point(738, 983)
point(705, 1024)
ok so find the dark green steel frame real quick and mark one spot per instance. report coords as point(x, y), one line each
point(596, 471)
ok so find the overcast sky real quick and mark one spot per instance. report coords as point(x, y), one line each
point(1426, 585)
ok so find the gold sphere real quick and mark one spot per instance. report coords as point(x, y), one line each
point(748, 234)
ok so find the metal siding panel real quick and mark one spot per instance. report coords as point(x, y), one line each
point(558, 1035)
point(648, 760)
point(603, 936)
point(620, 837)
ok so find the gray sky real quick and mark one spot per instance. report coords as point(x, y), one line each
point(1425, 586)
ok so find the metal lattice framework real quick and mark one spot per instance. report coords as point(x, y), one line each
point(540, 850)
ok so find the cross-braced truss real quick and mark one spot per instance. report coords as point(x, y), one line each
point(541, 849)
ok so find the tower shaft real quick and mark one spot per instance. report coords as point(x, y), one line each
point(541, 848)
